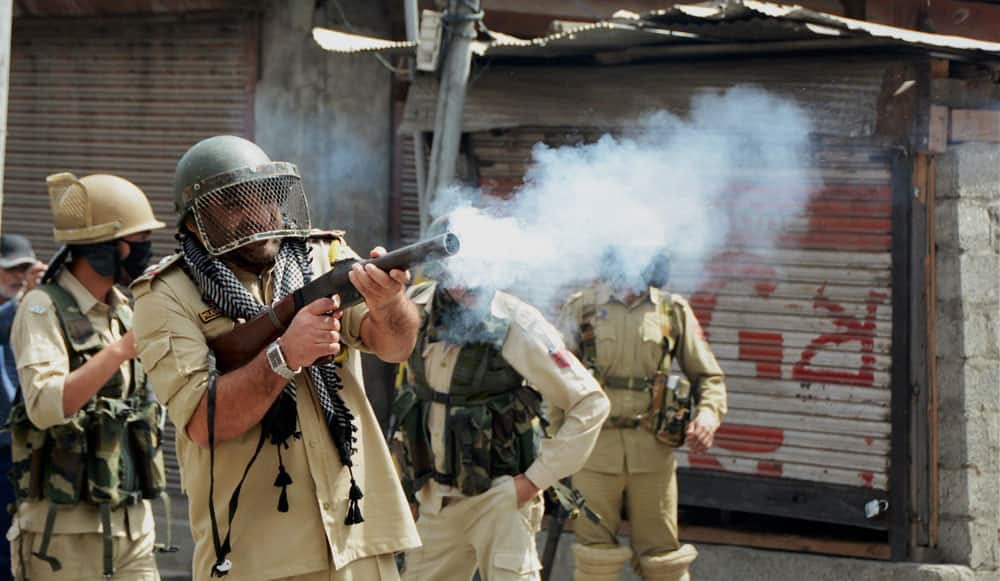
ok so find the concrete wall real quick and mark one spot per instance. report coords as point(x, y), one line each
point(968, 355)
point(329, 114)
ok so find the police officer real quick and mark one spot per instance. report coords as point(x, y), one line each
point(629, 338)
point(80, 470)
point(294, 442)
point(20, 272)
point(470, 427)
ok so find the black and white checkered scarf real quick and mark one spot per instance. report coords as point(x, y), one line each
point(292, 269)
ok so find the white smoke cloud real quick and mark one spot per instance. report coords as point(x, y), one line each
point(669, 184)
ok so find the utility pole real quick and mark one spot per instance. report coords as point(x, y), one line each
point(460, 32)
point(6, 23)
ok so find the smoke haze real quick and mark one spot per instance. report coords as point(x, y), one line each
point(669, 184)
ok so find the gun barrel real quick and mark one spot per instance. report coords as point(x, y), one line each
point(337, 281)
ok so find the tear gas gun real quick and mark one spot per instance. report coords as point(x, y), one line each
point(568, 503)
point(246, 340)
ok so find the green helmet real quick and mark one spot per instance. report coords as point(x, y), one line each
point(237, 195)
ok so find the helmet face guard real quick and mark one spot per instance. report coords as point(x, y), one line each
point(249, 204)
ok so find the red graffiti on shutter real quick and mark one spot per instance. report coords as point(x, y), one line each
point(756, 439)
point(764, 348)
point(868, 478)
point(704, 461)
point(767, 468)
point(852, 330)
point(724, 268)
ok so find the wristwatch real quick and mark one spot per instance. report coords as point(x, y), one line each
point(276, 359)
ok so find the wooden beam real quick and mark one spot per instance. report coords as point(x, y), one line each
point(784, 542)
point(932, 396)
point(900, 512)
point(974, 125)
point(919, 332)
point(937, 130)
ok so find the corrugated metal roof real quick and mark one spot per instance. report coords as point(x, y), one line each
point(726, 14)
point(342, 42)
point(706, 24)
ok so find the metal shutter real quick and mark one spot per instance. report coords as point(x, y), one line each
point(126, 96)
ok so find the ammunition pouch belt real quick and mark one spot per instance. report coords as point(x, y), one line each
point(457, 399)
point(629, 383)
point(486, 436)
point(109, 453)
point(624, 422)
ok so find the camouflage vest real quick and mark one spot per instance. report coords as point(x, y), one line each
point(109, 452)
point(493, 421)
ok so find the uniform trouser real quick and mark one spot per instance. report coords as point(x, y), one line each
point(651, 508)
point(82, 557)
point(6, 498)
point(376, 568)
point(488, 531)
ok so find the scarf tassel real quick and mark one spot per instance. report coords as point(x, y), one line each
point(354, 508)
point(283, 480)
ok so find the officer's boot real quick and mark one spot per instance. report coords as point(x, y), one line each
point(599, 564)
point(672, 566)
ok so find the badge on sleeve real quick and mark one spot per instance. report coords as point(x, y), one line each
point(560, 357)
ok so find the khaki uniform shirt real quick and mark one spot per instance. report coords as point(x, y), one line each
point(629, 343)
point(173, 327)
point(43, 365)
point(529, 347)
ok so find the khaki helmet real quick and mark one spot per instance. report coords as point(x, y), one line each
point(97, 208)
point(237, 195)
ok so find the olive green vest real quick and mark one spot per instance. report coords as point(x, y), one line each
point(492, 427)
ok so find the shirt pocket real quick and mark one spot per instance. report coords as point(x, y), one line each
point(522, 563)
point(651, 330)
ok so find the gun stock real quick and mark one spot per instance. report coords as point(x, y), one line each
point(237, 347)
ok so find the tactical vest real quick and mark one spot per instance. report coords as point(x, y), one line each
point(108, 454)
point(493, 423)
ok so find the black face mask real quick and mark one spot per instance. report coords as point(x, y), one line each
point(105, 259)
point(102, 256)
point(137, 260)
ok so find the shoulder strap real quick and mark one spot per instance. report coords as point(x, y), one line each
point(669, 343)
point(416, 360)
point(588, 341)
point(79, 334)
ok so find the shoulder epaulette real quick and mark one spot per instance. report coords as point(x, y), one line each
point(158, 268)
